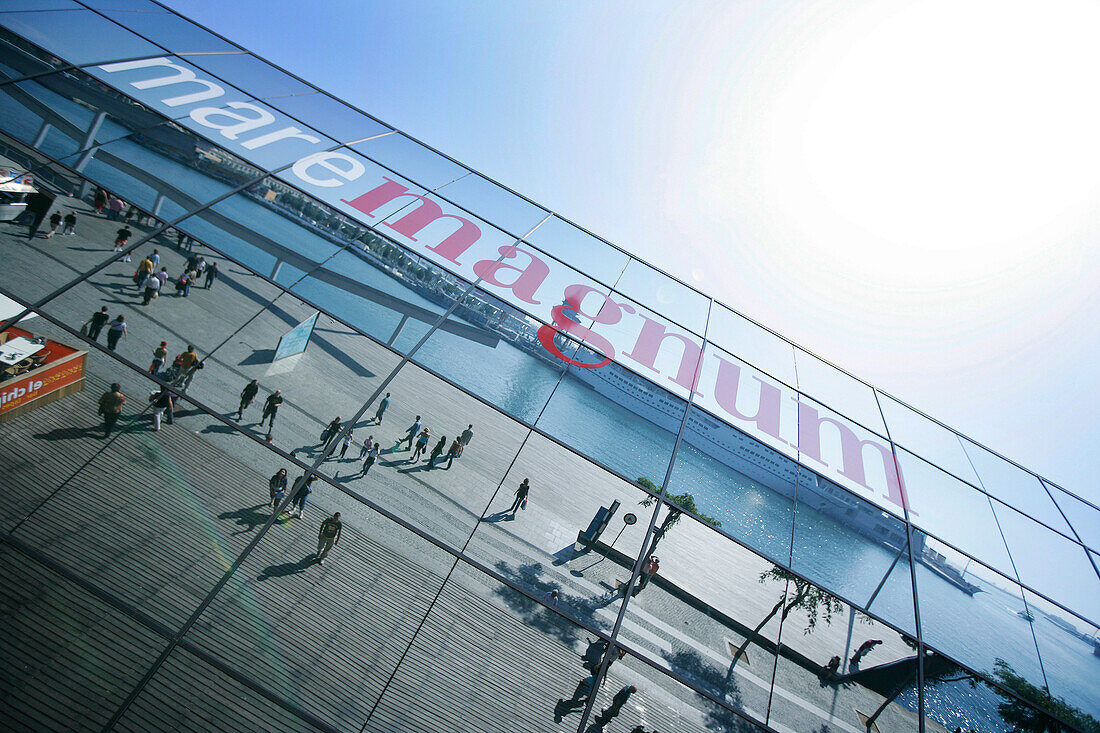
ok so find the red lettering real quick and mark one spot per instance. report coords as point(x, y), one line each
point(410, 224)
point(726, 388)
point(852, 466)
point(526, 283)
point(649, 342)
point(610, 313)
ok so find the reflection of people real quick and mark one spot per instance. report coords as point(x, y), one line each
point(829, 670)
point(863, 650)
point(521, 496)
point(329, 536)
point(649, 569)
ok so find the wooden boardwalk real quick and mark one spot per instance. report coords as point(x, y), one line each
point(155, 520)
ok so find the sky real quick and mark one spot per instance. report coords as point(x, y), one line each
point(908, 189)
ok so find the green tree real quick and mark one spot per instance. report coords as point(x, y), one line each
point(1024, 717)
point(678, 504)
point(817, 604)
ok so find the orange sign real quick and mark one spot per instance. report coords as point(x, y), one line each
point(39, 383)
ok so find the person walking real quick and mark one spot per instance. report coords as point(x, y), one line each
point(271, 407)
point(152, 288)
point(302, 490)
point(330, 432)
point(410, 434)
point(122, 236)
point(188, 364)
point(329, 536)
point(247, 395)
point(346, 443)
point(421, 445)
point(55, 222)
point(99, 201)
point(183, 284)
point(69, 226)
point(162, 403)
point(437, 451)
point(382, 408)
point(96, 323)
point(465, 438)
point(521, 497)
point(211, 275)
point(365, 448)
point(110, 406)
point(649, 569)
point(155, 258)
point(277, 486)
point(162, 275)
point(116, 331)
point(863, 650)
point(453, 452)
point(372, 456)
point(114, 208)
point(159, 355)
point(617, 703)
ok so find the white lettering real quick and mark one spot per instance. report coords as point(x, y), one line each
point(242, 124)
point(182, 75)
point(353, 170)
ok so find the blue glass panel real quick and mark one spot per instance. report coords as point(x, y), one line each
point(171, 31)
point(78, 36)
point(329, 115)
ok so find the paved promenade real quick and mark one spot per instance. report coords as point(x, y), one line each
point(153, 520)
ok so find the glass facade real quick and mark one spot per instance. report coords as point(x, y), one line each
point(574, 493)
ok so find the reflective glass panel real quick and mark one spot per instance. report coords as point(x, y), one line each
point(711, 611)
point(857, 459)
point(492, 202)
point(971, 613)
point(186, 694)
point(839, 669)
point(40, 204)
point(955, 512)
point(957, 698)
point(586, 252)
point(1050, 564)
point(752, 343)
point(614, 416)
point(442, 454)
point(252, 73)
point(170, 31)
point(219, 112)
point(636, 693)
point(99, 504)
point(928, 439)
point(472, 662)
point(1083, 517)
point(329, 115)
point(839, 391)
point(1066, 645)
point(1016, 487)
point(78, 36)
point(854, 548)
point(563, 531)
point(753, 402)
point(416, 162)
point(666, 296)
point(491, 349)
point(745, 487)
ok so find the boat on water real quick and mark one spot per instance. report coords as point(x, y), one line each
point(1026, 615)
